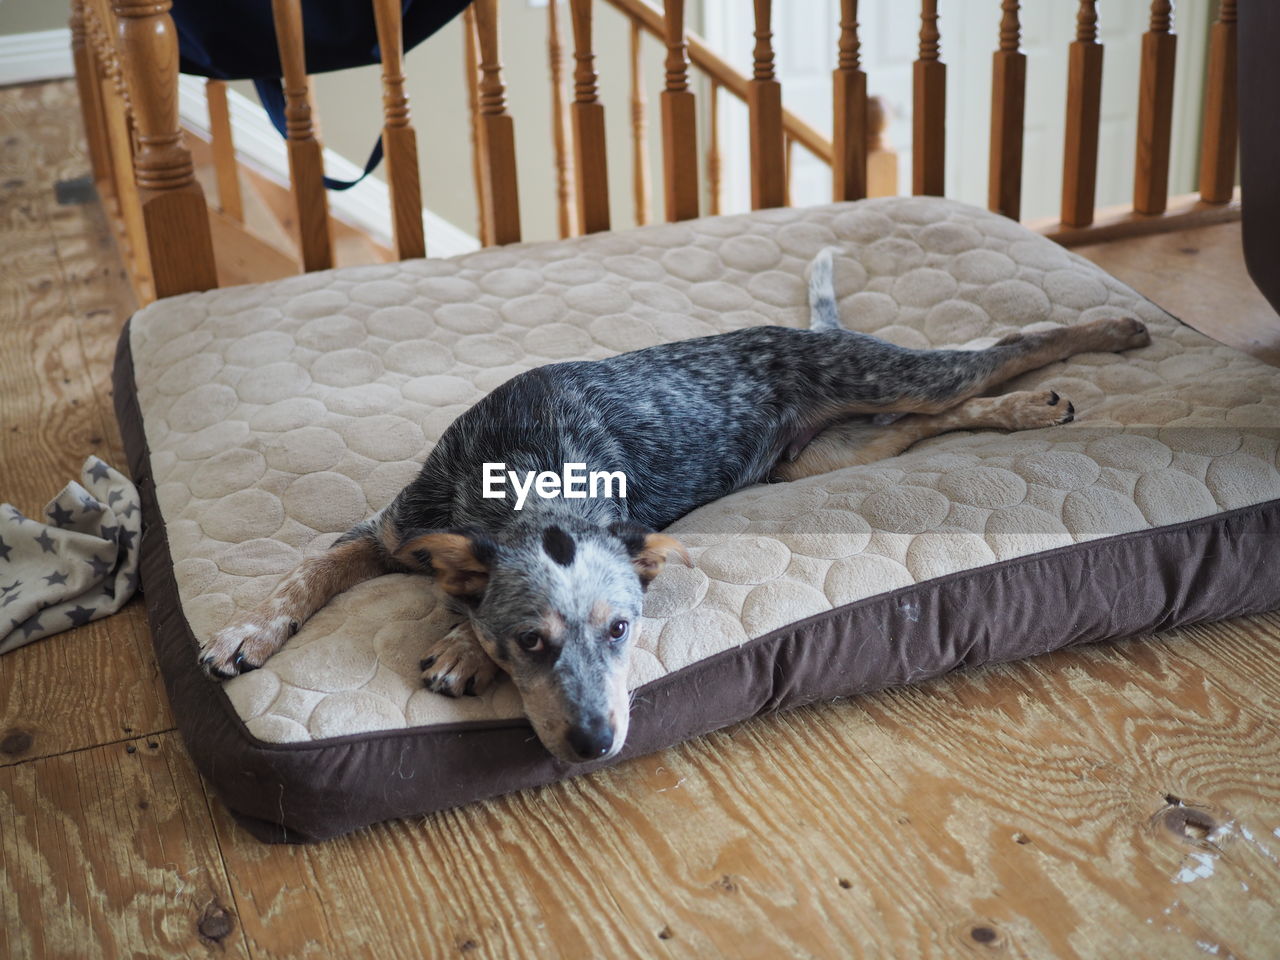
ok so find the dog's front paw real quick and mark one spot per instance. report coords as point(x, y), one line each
point(456, 665)
point(245, 645)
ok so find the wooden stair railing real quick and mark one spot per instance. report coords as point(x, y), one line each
point(126, 60)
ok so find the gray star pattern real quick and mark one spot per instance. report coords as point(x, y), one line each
point(98, 471)
point(100, 567)
point(79, 615)
point(60, 515)
point(55, 577)
point(5, 550)
point(46, 543)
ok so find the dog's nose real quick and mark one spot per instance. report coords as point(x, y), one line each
point(592, 740)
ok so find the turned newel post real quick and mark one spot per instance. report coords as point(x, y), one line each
point(174, 213)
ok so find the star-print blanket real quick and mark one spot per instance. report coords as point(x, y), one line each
point(77, 564)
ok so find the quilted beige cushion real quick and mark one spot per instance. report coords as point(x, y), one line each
point(279, 415)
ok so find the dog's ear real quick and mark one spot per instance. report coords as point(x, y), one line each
point(648, 550)
point(459, 559)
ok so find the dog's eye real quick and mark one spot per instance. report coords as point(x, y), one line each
point(530, 640)
point(618, 629)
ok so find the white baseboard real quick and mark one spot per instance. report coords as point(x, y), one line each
point(366, 206)
point(28, 57)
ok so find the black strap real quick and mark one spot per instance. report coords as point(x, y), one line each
point(271, 93)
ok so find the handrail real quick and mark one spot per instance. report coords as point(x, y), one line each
point(706, 60)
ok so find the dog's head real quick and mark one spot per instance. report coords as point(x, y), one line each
point(557, 607)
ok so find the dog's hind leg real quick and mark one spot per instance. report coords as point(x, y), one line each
point(245, 644)
point(854, 443)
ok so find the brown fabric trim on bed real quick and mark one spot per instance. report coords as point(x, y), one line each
point(1222, 566)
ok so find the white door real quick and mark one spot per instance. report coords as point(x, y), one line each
point(805, 34)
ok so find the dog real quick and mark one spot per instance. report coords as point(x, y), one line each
point(551, 594)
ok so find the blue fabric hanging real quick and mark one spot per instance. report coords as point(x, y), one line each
point(236, 40)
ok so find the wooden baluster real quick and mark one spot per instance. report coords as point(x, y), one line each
point(306, 156)
point(471, 58)
point(639, 133)
point(679, 121)
point(90, 96)
point(399, 141)
point(565, 211)
point(1008, 108)
point(1218, 148)
point(1155, 111)
point(849, 102)
point(124, 192)
point(590, 159)
point(174, 213)
point(882, 159)
point(224, 151)
point(1084, 106)
point(714, 163)
point(497, 133)
point(929, 112)
point(789, 153)
point(764, 106)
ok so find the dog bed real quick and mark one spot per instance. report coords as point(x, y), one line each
point(263, 421)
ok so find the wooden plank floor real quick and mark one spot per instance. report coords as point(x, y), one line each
point(1120, 800)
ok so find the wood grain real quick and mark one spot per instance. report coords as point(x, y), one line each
point(90, 101)
point(497, 133)
point(399, 140)
point(1084, 106)
point(929, 112)
point(306, 156)
point(590, 158)
point(1221, 110)
point(225, 165)
point(850, 138)
point(63, 297)
point(721, 72)
point(679, 122)
point(764, 112)
point(1048, 808)
point(173, 205)
point(1008, 109)
point(108, 852)
point(1181, 213)
point(641, 181)
point(566, 210)
point(1199, 276)
point(1155, 111)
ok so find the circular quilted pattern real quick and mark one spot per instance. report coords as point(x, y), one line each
point(279, 415)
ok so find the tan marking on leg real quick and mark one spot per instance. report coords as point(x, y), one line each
point(857, 443)
point(247, 643)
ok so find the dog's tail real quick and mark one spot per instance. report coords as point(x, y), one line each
point(823, 312)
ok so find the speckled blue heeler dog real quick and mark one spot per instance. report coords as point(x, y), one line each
point(550, 593)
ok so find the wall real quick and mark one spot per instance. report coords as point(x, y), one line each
point(349, 110)
point(28, 16)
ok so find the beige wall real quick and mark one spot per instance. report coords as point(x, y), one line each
point(29, 16)
point(349, 107)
